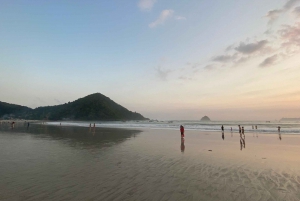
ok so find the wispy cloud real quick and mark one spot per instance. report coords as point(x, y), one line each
point(297, 11)
point(164, 15)
point(274, 14)
point(180, 18)
point(269, 61)
point(185, 78)
point(223, 58)
point(290, 4)
point(237, 54)
point(146, 5)
point(162, 73)
point(251, 48)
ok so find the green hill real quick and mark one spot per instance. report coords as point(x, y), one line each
point(92, 107)
point(7, 109)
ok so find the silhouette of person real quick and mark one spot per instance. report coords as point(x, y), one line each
point(222, 128)
point(182, 131)
point(278, 128)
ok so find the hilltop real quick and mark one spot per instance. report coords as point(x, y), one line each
point(92, 107)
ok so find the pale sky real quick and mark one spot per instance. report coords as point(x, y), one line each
point(171, 59)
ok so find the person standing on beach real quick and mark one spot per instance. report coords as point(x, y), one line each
point(222, 127)
point(279, 129)
point(182, 131)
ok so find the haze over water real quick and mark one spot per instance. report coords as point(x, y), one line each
point(73, 163)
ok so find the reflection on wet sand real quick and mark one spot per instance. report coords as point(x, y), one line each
point(279, 135)
point(242, 141)
point(223, 137)
point(182, 146)
point(80, 137)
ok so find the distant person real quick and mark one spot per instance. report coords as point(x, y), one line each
point(231, 129)
point(255, 126)
point(222, 128)
point(278, 128)
point(182, 131)
point(12, 124)
point(28, 125)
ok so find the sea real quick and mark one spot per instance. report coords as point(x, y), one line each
point(267, 127)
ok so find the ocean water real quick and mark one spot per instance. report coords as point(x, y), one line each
point(262, 126)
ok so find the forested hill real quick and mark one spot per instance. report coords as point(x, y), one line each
point(7, 108)
point(92, 107)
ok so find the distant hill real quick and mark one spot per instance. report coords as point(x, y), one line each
point(92, 107)
point(7, 109)
point(205, 118)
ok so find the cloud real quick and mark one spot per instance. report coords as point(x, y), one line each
point(290, 40)
point(274, 14)
point(251, 48)
point(297, 11)
point(162, 74)
point(290, 35)
point(290, 4)
point(269, 61)
point(164, 15)
point(146, 5)
point(180, 18)
point(223, 58)
point(184, 78)
point(210, 67)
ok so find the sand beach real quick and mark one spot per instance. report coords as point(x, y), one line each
point(46, 162)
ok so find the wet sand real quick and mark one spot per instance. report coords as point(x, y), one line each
point(74, 163)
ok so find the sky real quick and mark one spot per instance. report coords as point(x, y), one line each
point(168, 60)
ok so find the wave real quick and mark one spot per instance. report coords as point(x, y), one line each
point(262, 127)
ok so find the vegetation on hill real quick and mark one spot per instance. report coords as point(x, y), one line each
point(92, 107)
point(7, 109)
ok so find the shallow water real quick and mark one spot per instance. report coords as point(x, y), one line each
point(215, 126)
point(74, 163)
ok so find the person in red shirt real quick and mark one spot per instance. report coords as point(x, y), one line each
point(182, 131)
